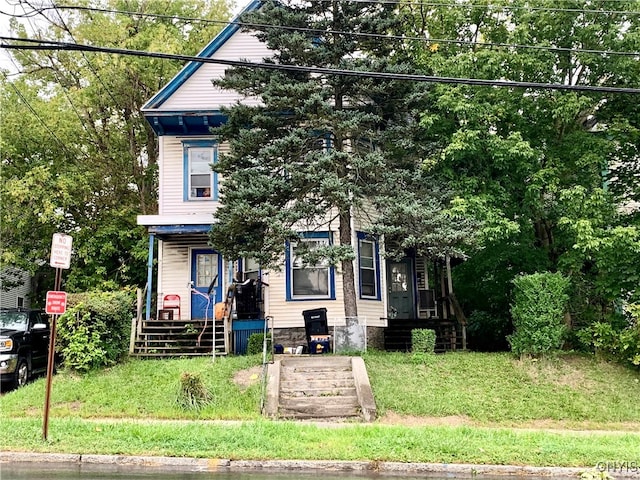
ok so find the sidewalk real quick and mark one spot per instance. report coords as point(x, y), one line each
point(364, 467)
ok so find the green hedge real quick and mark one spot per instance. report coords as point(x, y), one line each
point(95, 330)
point(538, 308)
point(255, 341)
point(423, 340)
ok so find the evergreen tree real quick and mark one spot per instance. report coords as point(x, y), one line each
point(320, 147)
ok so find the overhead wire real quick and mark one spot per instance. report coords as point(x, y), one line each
point(57, 74)
point(497, 6)
point(33, 44)
point(89, 64)
point(352, 34)
point(38, 117)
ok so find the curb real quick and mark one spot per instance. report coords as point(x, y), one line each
point(380, 468)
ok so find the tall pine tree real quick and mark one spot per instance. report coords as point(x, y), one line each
point(320, 146)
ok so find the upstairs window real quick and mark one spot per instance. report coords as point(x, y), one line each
point(309, 281)
point(200, 180)
point(369, 267)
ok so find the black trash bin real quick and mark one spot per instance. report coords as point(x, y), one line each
point(317, 330)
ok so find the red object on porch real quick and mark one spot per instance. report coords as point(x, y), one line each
point(172, 302)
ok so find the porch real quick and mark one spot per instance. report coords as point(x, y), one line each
point(192, 338)
point(450, 334)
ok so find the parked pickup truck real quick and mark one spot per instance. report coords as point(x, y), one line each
point(24, 345)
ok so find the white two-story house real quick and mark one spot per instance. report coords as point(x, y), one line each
point(192, 275)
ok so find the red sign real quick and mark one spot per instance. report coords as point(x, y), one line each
point(56, 303)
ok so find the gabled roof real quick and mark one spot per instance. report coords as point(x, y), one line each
point(168, 121)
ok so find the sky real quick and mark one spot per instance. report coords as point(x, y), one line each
point(7, 8)
point(12, 7)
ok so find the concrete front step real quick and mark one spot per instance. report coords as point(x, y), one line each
point(323, 392)
point(296, 385)
point(319, 400)
point(319, 377)
point(317, 409)
point(323, 387)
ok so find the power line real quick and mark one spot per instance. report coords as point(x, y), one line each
point(89, 64)
point(38, 117)
point(505, 7)
point(57, 74)
point(351, 34)
point(55, 45)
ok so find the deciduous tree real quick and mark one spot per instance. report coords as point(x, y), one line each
point(77, 155)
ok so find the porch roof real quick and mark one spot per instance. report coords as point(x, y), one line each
point(184, 123)
point(177, 224)
point(178, 229)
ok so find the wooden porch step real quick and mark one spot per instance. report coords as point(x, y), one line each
point(160, 337)
point(175, 347)
point(173, 355)
point(179, 337)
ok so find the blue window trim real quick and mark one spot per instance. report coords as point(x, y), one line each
point(371, 238)
point(186, 145)
point(289, 279)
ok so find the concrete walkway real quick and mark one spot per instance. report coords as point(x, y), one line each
point(379, 468)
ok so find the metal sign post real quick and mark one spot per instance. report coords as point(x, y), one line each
point(56, 304)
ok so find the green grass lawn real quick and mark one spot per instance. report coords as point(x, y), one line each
point(459, 407)
point(496, 389)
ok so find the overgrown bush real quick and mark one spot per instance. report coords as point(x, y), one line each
point(193, 393)
point(487, 332)
point(423, 340)
point(538, 309)
point(615, 340)
point(95, 330)
point(255, 341)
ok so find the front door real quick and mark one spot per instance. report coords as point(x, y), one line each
point(400, 289)
point(206, 273)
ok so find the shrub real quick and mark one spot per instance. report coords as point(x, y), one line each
point(487, 332)
point(614, 341)
point(423, 340)
point(255, 341)
point(95, 330)
point(538, 310)
point(193, 393)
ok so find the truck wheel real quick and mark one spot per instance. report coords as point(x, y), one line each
point(21, 375)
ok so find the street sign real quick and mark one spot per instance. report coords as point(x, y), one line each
point(56, 303)
point(61, 251)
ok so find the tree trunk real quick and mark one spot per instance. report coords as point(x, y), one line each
point(348, 277)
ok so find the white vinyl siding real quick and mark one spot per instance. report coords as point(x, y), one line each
point(197, 93)
point(172, 181)
point(12, 297)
